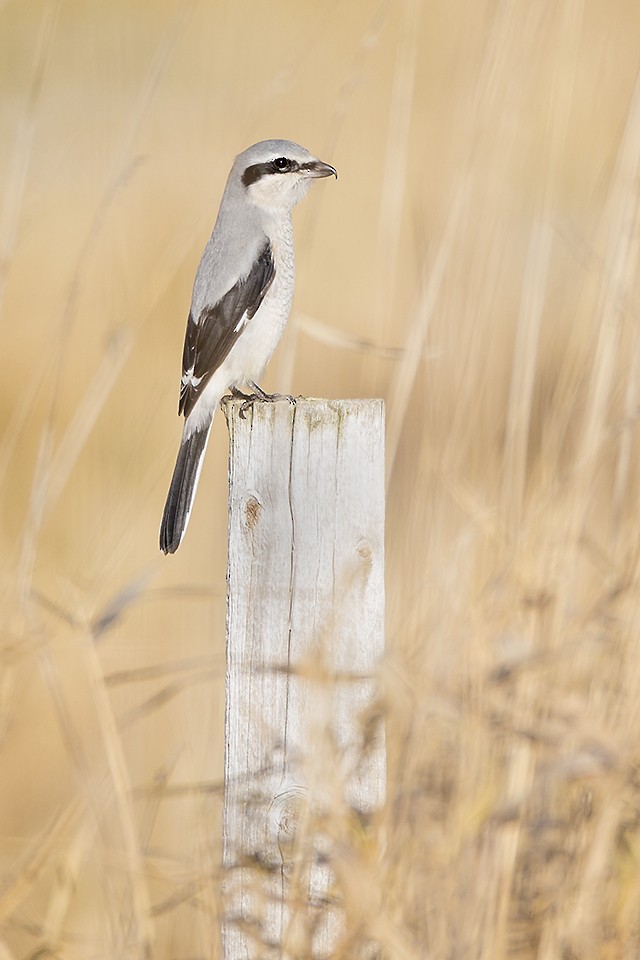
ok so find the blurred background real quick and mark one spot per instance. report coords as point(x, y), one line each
point(476, 266)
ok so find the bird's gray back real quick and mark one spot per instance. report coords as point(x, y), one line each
point(237, 239)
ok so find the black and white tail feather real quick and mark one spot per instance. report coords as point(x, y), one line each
point(184, 482)
point(237, 312)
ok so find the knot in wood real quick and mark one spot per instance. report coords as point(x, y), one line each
point(284, 815)
point(252, 511)
point(364, 552)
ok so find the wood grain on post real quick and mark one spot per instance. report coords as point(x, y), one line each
point(305, 631)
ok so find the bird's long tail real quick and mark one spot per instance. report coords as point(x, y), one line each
point(184, 484)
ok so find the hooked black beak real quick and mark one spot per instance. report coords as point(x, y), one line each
point(316, 168)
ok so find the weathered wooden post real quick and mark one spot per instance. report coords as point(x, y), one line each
point(305, 631)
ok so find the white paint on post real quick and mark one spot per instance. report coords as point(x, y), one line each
point(305, 632)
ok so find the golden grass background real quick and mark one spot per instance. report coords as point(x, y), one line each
point(476, 265)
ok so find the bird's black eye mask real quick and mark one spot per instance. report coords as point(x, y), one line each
point(280, 165)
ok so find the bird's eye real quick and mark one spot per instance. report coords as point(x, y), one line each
point(282, 164)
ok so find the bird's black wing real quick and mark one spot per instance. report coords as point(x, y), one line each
point(208, 341)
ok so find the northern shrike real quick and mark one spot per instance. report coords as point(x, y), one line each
point(241, 300)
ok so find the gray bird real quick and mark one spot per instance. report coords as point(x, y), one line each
point(241, 301)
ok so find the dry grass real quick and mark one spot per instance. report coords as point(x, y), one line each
point(476, 264)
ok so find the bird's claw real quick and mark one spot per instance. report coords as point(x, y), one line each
point(258, 395)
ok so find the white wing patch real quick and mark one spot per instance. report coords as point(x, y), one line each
point(188, 380)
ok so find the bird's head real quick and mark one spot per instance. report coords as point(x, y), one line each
point(276, 174)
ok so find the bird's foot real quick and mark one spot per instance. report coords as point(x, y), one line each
point(258, 394)
point(239, 395)
point(249, 399)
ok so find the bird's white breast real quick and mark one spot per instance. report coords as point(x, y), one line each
point(261, 334)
